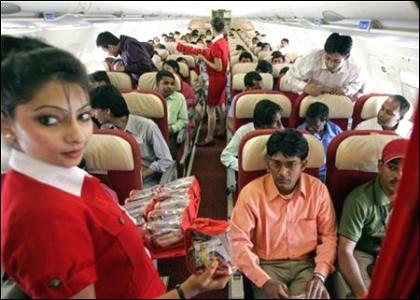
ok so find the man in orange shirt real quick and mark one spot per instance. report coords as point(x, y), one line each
point(283, 225)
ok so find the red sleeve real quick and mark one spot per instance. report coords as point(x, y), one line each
point(50, 253)
point(190, 50)
point(215, 51)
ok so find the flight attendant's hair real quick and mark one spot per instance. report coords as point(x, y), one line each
point(218, 24)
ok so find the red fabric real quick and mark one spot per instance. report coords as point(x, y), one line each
point(358, 106)
point(49, 234)
point(189, 94)
point(395, 149)
point(123, 182)
point(396, 275)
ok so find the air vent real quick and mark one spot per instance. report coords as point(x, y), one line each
point(8, 8)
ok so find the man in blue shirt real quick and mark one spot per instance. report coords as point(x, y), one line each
point(317, 124)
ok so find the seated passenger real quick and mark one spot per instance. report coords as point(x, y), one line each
point(283, 225)
point(264, 66)
point(245, 57)
point(277, 58)
point(267, 114)
point(325, 131)
point(98, 78)
point(363, 223)
point(177, 108)
point(252, 81)
point(284, 46)
point(391, 117)
point(110, 108)
point(330, 70)
point(266, 47)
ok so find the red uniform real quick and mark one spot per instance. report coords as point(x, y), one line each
point(61, 232)
point(219, 48)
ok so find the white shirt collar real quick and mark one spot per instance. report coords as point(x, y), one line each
point(217, 37)
point(69, 180)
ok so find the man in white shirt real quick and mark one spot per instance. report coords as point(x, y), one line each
point(331, 70)
point(391, 117)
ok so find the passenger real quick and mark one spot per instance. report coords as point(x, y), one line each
point(98, 78)
point(266, 47)
point(137, 56)
point(252, 82)
point(216, 58)
point(281, 220)
point(319, 126)
point(245, 57)
point(364, 221)
point(267, 114)
point(177, 108)
point(391, 117)
point(264, 66)
point(331, 70)
point(277, 58)
point(12, 44)
point(173, 67)
point(62, 213)
point(110, 108)
point(284, 46)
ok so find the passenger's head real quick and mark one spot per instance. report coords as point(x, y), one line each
point(108, 42)
point(267, 114)
point(266, 47)
point(217, 25)
point(171, 66)
point(165, 82)
point(239, 48)
point(253, 81)
point(317, 117)
point(284, 42)
point(264, 67)
point(98, 78)
point(108, 104)
point(287, 153)
point(391, 164)
point(245, 57)
point(254, 40)
point(392, 111)
point(11, 44)
point(337, 49)
point(277, 58)
point(45, 105)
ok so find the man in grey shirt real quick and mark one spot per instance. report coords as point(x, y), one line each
point(111, 110)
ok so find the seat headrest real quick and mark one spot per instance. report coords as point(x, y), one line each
point(277, 68)
point(255, 149)
point(189, 58)
point(361, 152)
point(339, 106)
point(144, 104)
point(148, 81)
point(264, 54)
point(243, 68)
point(163, 53)
point(184, 70)
point(96, 66)
point(245, 104)
point(373, 105)
point(108, 153)
point(239, 85)
point(120, 80)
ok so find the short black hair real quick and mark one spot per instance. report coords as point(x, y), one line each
point(245, 54)
point(99, 76)
point(11, 44)
point(317, 111)
point(284, 70)
point(27, 72)
point(106, 38)
point(264, 113)
point(264, 67)
point(277, 54)
point(109, 97)
point(218, 24)
point(284, 39)
point(404, 103)
point(172, 63)
point(337, 43)
point(161, 74)
point(288, 142)
point(239, 48)
point(250, 77)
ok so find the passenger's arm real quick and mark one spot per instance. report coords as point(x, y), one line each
point(229, 156)
point(147, 172)
point(349, 267)
point(217, 65)
point(161, 150)
point(298, 77)
point(87, 293)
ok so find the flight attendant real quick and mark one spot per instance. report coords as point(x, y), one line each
point(216, 58)
point(62, 235)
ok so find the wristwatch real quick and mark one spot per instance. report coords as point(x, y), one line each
point(180, 291)
point(320, 277)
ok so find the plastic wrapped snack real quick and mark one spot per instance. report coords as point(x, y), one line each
point(208, 240)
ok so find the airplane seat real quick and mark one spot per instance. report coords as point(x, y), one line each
point(122, 81)
point(245, 102)
point(163, 53)
point(171, 47)
point(114, 157)
point(234, 60)
point(293, 56)
point(157, 61)
point(352, 159)
point(184, 71)
point(194, 77)
point(368, 106)
point(238, 84)
point(252, 151)
point(189, 58)
point(149, 104)
point(277, 68)
point(264, 54)
point(292, 96)
point(243, 68)
point(147, 81)
point(340, 107)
